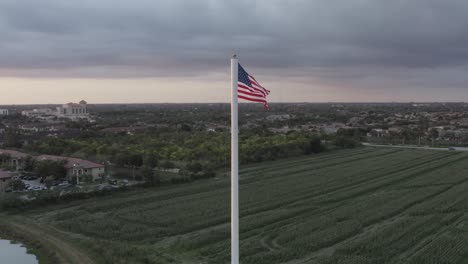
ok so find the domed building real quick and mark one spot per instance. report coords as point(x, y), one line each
point(73, 110)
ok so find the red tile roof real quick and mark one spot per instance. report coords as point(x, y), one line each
point(71, 162)
point(5, 174)
point(13, 153)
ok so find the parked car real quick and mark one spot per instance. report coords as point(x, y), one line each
point(55, 183)
point(64, 183)
point(112, 181)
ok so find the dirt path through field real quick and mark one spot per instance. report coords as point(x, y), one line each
point(50, 239)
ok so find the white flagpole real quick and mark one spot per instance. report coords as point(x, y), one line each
point(234, 164)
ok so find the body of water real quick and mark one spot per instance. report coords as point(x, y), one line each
point(15, 254)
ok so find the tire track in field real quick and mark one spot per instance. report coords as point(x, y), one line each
point(307, 170)
point(287, 219)
point(220, 221)
point(278, 173)
point(288, 222)
point(213, 192)
point(425, 241)
point(329, 250)
point(289, 202)
point(339, 202)
point(340, 188)
point(303, 199)
point(266, 243)
point(400, 179)
point(272, 166)
point(136, 197)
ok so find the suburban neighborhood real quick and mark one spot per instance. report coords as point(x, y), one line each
point(63, 139)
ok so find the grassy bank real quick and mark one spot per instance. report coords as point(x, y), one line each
point(33, 244)
point(47, 244)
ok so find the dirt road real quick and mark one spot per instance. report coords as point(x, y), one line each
point(51, 241)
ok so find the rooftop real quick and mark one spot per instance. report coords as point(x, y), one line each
point(71, 162)
point(5, 174)
point(13, 153)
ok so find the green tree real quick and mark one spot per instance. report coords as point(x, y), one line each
point(4, 159)
point(194, 167)
point(314, 146)
point(167, 165)
point(52, 168)
point(12, 138)
point(345, 142)
point(149, 175)
point(17, 185)
point(150, 160)
point(28, 163)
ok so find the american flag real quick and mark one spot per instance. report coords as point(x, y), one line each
point(250, 89)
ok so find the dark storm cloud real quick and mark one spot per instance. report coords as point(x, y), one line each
point(349, 38)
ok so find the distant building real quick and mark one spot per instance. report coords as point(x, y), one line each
point(5, 179)
point(4, 112)
point(38, 112)
point(395, 130)
point(72, 111)
point(125, 130)
point(278, 117)
point(332, 128)
point(377, 132)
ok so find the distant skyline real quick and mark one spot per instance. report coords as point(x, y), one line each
point(144, 51)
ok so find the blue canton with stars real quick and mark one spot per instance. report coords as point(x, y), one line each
point(243, 76)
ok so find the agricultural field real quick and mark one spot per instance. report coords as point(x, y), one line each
point(365, 205)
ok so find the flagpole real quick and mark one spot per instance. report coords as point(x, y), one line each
point(234, 164)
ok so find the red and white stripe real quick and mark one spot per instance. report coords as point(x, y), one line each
point(256, 93)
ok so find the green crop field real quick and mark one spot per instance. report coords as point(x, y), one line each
point(354, 206)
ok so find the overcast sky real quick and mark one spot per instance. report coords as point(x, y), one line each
point(54, 51)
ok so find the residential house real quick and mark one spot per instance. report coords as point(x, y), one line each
point(78, 168)
point(332, 128)
point(5, 179)
point(125, 130)
point(16, 159)
point(278, 117)
point(216, 128)
point(395, 130)
point(377, 132)
point(282, 130)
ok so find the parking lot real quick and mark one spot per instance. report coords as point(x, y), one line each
point(34, 185)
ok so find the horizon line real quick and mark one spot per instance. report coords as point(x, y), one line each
point(292, 102)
